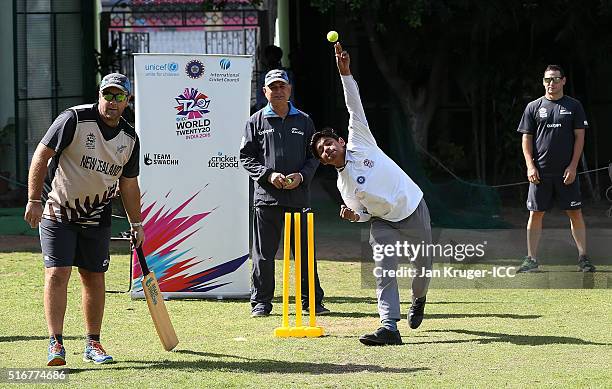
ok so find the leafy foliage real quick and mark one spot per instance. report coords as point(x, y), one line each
point(486, 56)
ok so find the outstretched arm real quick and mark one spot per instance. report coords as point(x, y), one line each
point(359, 131)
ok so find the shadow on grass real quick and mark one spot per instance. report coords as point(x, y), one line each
point(519, 340)
point(349, 300)
point(244, 364)
point(440, 315)
point(372, 300)
point(474, 315)
point(351, 314)
point(23, 338)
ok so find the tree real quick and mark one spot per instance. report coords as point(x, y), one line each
point(494, 52)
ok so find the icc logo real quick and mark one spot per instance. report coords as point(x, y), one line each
point(225, 63)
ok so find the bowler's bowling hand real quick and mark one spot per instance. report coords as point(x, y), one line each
point(348, 214)
point(343, 60)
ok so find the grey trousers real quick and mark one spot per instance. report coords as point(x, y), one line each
point(415, 229)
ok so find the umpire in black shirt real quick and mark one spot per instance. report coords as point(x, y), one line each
point(275, 152)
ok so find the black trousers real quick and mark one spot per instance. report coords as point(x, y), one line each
point(268, 222)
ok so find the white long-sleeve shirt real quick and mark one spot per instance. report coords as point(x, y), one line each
point(371, 183)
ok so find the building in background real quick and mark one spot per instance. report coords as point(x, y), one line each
point(54, 51)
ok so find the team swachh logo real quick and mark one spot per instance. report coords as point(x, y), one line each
point(190, 121)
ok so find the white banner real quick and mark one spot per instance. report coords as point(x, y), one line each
point(190, 115)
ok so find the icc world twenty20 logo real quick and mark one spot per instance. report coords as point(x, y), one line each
point(190, 121)
point(192, 104)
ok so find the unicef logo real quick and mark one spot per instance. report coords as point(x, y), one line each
point(225, 63)
point(194, 69)
point(172, 67)
point(360, 179)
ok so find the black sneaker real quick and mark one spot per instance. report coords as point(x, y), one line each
point(529, 265)
point(260, 311)
point(381, 337)
point(416, 312)
point(320, 310)
point(585, 265)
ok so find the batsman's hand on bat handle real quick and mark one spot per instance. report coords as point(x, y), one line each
point(348, 214)
point(33, 213)
point(138, 235)
point(343, 60)
point(278, 180)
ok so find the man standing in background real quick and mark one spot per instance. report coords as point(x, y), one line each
point(553, 129)
point(275, 153)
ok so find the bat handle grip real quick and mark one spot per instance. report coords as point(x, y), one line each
point(141, 260)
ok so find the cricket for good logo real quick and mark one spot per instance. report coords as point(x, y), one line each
point(190, 121)
point(222, 161)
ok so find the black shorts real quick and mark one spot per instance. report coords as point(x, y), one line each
point(66, 244)
point(541, 196)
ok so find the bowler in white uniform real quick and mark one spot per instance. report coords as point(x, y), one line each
point(375, 189)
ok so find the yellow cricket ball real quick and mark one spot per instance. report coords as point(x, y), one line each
point(332, 36)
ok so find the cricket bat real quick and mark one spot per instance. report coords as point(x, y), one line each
point(157, 308)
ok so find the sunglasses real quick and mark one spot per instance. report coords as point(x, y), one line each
point(119, 97)
point(554, 80)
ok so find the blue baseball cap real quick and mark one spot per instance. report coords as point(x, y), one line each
point(276, 75)
point(117, 80)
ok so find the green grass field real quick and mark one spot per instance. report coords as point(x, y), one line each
point(470, 338)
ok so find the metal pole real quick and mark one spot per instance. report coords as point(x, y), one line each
point(283, 30)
